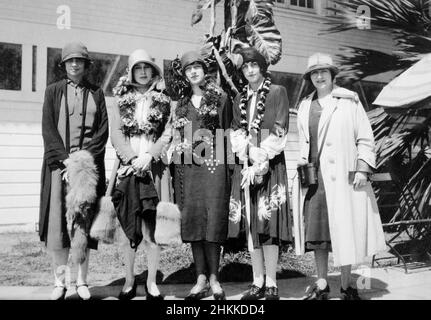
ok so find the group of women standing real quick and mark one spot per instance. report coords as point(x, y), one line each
point(247, 201)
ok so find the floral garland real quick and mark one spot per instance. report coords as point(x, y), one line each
point(156, 119)
point(208, 111)
point(262, 93)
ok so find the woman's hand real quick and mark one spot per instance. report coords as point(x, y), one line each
point(360, 180)
point(142, 162)
point(257, 155)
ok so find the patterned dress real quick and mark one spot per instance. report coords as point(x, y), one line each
point(269, 201)
point(201, 190)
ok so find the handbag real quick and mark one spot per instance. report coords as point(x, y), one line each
point(308, 173)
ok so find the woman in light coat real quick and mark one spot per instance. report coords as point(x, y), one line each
point(340, 213)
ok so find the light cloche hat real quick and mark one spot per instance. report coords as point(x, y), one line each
point(320, 61)
point(137, 56)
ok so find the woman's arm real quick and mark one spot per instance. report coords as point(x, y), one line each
point(54, 150)
point(276, 142)
point(364, 141)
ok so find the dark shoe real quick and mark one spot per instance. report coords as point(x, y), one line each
point(254, 293)
point(59, 293)
point(350, 294)
point(129, 295)
point(271, 293)
point(151, 297)
point(318, 294)
point(83, 292)
point(198, 296)
point(219, 295)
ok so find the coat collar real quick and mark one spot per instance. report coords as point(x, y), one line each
point(329, 107)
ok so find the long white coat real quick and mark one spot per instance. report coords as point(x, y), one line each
point(354, 221)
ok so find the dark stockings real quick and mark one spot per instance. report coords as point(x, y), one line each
point(206, 256)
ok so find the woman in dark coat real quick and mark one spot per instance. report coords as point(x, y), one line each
point(201, 181)
point(259, 202)
point(74, 119)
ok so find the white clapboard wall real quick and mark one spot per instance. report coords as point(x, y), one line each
point(21, 152)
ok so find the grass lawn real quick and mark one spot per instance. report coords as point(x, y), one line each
point(25, 262)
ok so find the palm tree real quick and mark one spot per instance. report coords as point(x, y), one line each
point(401, 146)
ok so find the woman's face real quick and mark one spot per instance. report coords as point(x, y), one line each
point(75, 68)
point(252, 72)
point(195, 73)
point(142, 73)
point(322, 79)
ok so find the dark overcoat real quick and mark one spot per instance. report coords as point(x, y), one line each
point(55, 151)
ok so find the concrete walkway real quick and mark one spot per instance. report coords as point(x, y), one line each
point(376, 284)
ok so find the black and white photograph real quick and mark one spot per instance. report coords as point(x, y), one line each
point(215, 155)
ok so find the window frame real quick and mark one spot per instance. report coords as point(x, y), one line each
point(286, 4)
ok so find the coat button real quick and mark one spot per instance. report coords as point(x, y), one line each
point(333, 178)
point(329, 143)
point(332, 160)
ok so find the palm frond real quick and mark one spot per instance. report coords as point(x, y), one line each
point(357, 63)
point(409, 16)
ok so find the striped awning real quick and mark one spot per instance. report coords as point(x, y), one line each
point(412, 86)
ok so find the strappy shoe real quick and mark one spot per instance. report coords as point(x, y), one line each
point(59, 293)
point(350, 294)
point(271, 293)
point(219, 295)
point(83, 292)
point(254, 293)
point(315, 293)
point(151, 297)
point(129, 295)
point(203, 293)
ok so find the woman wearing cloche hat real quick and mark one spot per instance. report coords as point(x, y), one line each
point(338, 208)
point(140, 133)
point(259, 204)
point(202, 184)
point(75, 132)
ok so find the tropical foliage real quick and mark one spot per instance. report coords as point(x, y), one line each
point(246, 23)
point(402, 138)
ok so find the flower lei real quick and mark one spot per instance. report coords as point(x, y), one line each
point(262, 93)
point(208, 111)
point(157, 117)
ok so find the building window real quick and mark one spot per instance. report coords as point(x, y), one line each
point(10, 66)
point(297, 4)
point(34, 69)
point(104, 72)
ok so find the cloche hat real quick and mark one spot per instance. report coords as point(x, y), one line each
point(320, 61)
point(74, 50)
point(140, 55)
point(191, 57)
